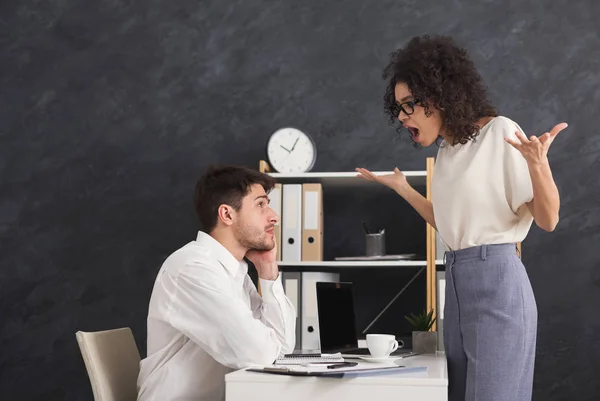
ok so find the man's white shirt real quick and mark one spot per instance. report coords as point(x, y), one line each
point(207, 319)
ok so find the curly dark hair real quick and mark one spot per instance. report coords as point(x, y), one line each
point(441, 75)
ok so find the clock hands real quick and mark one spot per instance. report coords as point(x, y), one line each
point(294, 146)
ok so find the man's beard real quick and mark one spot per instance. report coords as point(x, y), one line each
point(253, 238)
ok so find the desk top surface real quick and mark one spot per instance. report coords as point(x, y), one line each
point(437, 373)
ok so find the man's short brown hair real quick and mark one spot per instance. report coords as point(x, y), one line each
point(225, 184)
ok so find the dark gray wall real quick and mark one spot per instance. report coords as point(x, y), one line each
point(110, 110)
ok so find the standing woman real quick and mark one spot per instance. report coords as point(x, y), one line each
point(490, 183)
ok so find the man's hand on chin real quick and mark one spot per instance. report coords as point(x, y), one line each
point(265, 263)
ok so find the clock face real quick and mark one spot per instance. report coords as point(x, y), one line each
point(290, 150)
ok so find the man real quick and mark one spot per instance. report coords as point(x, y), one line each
point(205, 317)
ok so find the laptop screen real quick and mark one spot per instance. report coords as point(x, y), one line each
point(337, 327)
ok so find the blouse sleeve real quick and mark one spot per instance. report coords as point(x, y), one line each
point(517, 181)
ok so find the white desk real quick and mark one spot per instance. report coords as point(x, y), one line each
point(430, 386)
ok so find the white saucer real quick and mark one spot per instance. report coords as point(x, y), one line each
point(378, 360)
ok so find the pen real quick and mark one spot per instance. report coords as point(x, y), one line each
point(366, 228)
point(342, 365)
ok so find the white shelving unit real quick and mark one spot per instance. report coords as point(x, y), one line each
point(349, 179)
point(416, 178)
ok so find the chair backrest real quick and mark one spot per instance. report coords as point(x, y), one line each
point(112, 361)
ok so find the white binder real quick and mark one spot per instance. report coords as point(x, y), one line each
point(275, 203)
point(441, 298)
point(291, 223)
point(310, 312)
point(292, 285)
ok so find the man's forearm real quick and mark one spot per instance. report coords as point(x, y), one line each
point(280, 315)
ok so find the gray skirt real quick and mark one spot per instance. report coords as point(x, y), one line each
point(490, 325)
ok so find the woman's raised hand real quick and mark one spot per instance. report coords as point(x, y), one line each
point(396, 181)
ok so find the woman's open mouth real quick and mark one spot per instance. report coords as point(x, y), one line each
point(414, 132)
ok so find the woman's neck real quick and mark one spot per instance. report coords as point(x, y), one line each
point(452, 141)
point(482, 122)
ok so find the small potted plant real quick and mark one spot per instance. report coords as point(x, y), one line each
point(424, 341)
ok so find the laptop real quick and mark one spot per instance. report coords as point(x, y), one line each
point(337, 322)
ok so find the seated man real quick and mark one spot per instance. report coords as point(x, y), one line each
point(206, 317)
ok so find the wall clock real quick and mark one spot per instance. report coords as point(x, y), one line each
point(291, 151)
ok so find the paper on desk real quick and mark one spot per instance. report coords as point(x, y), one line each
point(360, 366)
point(323, 367)
point(349, 372)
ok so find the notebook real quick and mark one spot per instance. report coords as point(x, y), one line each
point(300, 359)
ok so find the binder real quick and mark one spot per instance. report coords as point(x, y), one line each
point(275, 203)
point(310, 339)
point(292, 286)
point(441, 298)
point(291, 223)
point(312, 222)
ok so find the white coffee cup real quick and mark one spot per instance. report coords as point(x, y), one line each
point(381, 345)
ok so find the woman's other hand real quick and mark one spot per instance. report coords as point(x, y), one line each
point(535, 149)
point(396, 181)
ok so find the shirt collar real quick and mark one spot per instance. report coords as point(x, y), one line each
point(231, 264)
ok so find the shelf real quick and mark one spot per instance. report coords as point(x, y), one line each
point(358, 263)
point(415, 178)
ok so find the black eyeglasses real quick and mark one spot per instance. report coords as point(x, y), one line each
point(407, 107)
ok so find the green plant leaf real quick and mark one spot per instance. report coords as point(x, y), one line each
point(421, 322)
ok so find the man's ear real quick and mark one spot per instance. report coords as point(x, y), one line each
point(226, 214)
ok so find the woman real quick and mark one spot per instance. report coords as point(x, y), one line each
point(490, 183)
